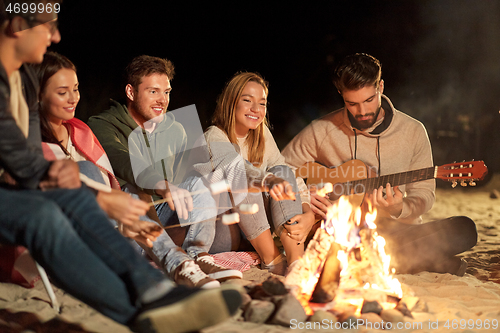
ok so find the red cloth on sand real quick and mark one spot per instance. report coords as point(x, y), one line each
point(237, 260)
point(9, 265)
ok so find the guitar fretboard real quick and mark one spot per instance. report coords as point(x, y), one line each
point(396, 179)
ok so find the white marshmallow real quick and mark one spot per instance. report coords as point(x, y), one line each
point(219, 187)
point(327, 188)
point(230, 218)
point(248, 208)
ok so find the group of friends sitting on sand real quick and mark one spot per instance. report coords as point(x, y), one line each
point(138, 179)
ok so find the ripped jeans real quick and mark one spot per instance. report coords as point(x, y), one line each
point(201, 231)
point(272, 214)
point(201, 222)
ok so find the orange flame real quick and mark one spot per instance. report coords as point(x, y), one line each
point(344, 225)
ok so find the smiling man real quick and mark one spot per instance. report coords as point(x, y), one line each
point(144, 129)
point(388, 141)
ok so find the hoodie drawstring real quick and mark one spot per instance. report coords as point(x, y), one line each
point(151, 154)
point(355, 143)
point(378, 150)
point(356, 148)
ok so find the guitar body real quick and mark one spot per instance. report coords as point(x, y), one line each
point(317, 174)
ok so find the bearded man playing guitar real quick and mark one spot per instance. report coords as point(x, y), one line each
point(388, 141)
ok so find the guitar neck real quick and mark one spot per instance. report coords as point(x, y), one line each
point(396, 179)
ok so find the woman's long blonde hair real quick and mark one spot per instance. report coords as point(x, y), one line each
point(224, 115)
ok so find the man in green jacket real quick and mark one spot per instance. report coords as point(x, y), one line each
point(146, 147)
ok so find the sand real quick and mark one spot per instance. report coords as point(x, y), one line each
point(469, 304)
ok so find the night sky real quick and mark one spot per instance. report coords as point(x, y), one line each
point(440, 59)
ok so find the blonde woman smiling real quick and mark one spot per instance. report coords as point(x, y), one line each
point(240, 121)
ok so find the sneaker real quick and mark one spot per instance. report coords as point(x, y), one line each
point(208, 266)
point(189, 274)
point(277, 266)
point(185, 310)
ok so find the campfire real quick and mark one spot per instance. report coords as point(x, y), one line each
point(343, 278)
point(345, 265)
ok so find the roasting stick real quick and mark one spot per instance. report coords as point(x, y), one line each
point(233, 218)
point(227, 219)
point(243, 208)
point(215, 188)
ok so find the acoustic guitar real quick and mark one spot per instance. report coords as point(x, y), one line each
point(354, 178)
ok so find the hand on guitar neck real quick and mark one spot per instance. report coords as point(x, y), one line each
point(392, 203)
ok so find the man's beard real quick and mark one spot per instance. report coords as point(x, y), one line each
point(145, 115)
point(364, 124)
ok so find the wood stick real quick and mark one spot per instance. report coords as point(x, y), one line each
point(191, 223)
point(215, 207)
point(243, 208)
point(323, 191)
point(159, 201)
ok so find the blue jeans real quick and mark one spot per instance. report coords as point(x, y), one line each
point(93, 172)
point(201, 222)
point(272, 214)
point(71, 237)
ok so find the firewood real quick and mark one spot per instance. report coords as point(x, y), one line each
point(329, 278)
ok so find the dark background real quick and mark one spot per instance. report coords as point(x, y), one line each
point(440, 58)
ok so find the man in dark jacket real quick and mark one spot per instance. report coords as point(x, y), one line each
point(62, 226)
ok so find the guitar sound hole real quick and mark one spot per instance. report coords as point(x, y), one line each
point(348, 188)
point(334, 197)
point(338, 191)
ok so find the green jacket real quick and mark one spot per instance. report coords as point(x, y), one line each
point(166, 145)
point(112, 128)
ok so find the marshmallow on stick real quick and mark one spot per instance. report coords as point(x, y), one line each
point(220, 187)
point(327, 188)
point(248, 208)
point(228, 219)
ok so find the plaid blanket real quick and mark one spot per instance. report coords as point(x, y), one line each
point(237, 260)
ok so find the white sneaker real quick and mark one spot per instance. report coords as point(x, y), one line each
point(189, 274)
point(208, 266)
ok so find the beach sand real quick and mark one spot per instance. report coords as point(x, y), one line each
point(469, 304)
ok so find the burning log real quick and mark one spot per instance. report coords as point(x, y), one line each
point(304, 276)
point(365, 263)
point(345, 262)
point(330, 277)
point(370, 252)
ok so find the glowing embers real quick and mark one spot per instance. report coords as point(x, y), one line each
point(344, 262)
